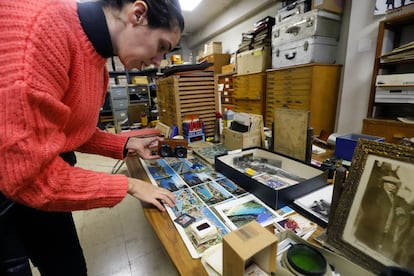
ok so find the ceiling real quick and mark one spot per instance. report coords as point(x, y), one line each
point(205, 12)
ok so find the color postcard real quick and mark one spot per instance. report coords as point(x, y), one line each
point(241, 211)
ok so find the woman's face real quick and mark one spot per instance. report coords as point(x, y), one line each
point(140, 45)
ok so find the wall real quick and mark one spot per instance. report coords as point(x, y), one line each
point(229, 26)
point(358, 66)
point(356, 50)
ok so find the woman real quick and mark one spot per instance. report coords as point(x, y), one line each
point(53, 83)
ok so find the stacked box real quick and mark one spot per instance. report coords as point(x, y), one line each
point(329, 5)
point(304, 38)
point(254, 61)
point(250, 243)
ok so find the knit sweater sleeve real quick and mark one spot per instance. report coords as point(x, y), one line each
point(41, 113)
point(106, 144)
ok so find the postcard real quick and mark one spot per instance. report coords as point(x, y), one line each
point(187, 203)
point(210, 152)
point(241, 211)
point(317, 203)
point(285, 211)
point(297, 223)
point(271, 181)
point(179, 165)
point(212, 193)
point(231, 186)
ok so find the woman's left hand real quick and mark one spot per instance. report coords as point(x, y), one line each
point(144, 147)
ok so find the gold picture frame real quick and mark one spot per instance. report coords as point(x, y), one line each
point(368, 227)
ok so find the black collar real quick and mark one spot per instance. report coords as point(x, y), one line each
point(93, 22)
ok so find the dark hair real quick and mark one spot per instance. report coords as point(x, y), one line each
point(164, 14)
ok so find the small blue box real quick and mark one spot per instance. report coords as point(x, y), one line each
point(345, 145)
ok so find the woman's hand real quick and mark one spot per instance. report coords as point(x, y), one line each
point(149, 193)
point(143, 146)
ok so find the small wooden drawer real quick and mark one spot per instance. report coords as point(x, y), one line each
point(392, 131)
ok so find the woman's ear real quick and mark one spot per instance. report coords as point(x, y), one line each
point(139, 10)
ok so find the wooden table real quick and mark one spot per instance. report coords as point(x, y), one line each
point(165, 230)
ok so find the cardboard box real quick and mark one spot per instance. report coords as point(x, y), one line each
point(345, 145)
point(329, 5)
point(218, 61)
point(213, 48)
point(313, 178)
point(241, 140)
point(251, 243)
point(229, 68)
point(176, 59)
point(254, 61)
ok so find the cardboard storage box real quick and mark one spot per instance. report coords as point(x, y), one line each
point(229, 68)
point(345, 145)
point(254, 61)
point(251, 243)
point(241, 140)
point(276, 199)
point(213, 48)
point(329, 5)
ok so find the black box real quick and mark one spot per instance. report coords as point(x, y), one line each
point(313, 178)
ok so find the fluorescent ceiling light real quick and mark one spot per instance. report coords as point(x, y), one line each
point(189, 5)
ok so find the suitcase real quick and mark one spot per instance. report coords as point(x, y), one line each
point(289, 11)
point(312, 23)
point(314, 49)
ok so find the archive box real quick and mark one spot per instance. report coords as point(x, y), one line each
point(251, 243)
point(241, 140)
point(254, 61)
point(345, 145)
point(329, 5)
point(309, 178)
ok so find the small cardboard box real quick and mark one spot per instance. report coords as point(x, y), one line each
point(254, 61)
point(241, 140)
point(213, 48)
point(329, 5)
point(313, 178)
point(345, 145)
point(176, 59)
point(229, 68)
point(251, 243)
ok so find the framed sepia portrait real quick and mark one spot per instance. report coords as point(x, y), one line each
point(373, 223)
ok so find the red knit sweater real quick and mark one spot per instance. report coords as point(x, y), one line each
point(52, 85)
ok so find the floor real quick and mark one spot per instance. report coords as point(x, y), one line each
point(118, 241)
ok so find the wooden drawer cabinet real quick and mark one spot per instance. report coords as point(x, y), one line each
point(249, 93)
point(393, 131)
point(249, 106)
point(312, 87)
point(226, 91)
point(188, 93)
point(249, 86)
